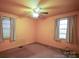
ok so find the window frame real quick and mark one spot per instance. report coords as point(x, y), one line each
point(57, 30)
point(12, 29)
point(2, 28)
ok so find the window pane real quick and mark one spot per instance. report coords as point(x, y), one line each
point(6, 33)
point(63, 28)
point(6, 27)
point(6, 23)
point(63, 36)
point(63, 21)
point(62, 31)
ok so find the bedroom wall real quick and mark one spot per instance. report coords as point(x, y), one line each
point(41, 30)
point(24, 32)
point(46, 31)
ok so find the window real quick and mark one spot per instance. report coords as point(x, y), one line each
point(65, 29)
point(7, 28)
point(63, 26)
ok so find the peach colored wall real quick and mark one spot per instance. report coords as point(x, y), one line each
point(46, 31)
point(42, 30)
point(24, 33)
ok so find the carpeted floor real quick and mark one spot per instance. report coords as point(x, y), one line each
point(32, 51)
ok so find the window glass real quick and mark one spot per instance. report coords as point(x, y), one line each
point(6, 27)
point(63, 28)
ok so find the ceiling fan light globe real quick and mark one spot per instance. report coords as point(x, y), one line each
point(35, 15)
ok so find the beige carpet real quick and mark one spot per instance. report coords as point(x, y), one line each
point(32, 51)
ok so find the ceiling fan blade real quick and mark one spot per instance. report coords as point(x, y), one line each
point(44, 12)
point(51, 7)
point(18, 4)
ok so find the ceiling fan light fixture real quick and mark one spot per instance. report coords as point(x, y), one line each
point(35, 15)
point(36, 12)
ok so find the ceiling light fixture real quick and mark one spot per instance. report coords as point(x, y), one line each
point(36, 12)
point(35, 15)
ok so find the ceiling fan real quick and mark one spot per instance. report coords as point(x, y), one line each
point(36, 12)
point(39, 8)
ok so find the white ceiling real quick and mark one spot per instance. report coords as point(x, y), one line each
point(53, 7)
